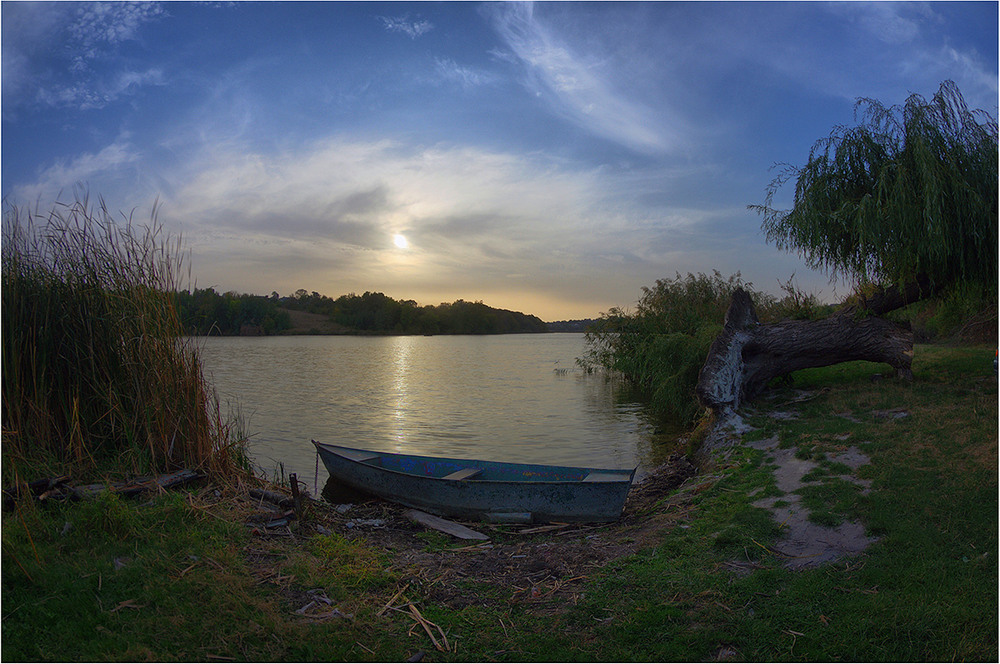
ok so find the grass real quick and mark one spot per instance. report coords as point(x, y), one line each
point(97, 378)
point(194, 583)
point(160, 581)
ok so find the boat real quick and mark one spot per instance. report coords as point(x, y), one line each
point(482, 490)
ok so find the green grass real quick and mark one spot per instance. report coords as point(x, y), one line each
point(710, 586)
point(162, 580)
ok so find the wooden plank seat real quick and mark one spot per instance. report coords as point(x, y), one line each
point(463, 474)
point(361, 456)
point(606, 477)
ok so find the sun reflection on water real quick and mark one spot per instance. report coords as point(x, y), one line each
point(401, 351)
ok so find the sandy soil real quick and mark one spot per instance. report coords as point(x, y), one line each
point(806, 544)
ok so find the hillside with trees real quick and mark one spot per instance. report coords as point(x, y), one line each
point(377, 313)
point(206, 312)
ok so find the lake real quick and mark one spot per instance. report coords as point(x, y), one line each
point(518, 398)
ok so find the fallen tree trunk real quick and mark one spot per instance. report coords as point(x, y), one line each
point(748, 355)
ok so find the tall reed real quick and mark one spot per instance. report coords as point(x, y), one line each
point(97, 377)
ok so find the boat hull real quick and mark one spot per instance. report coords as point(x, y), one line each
point(486, 490)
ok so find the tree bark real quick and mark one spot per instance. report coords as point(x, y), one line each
point(892, 297)
point(748, 355)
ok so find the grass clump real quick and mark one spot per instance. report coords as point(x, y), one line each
point(344, 565)
point(97, 379)
point(169, 580)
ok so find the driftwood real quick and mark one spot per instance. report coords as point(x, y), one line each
point(443, 525)
point(61, 487)
point(279, 499)
point(137, 486)
point(296, 496)
point(42, 490)
point(746, 356)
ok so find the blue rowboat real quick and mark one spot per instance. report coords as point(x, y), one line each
point(486, 490)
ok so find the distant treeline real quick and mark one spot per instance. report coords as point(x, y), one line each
point(580, 325)
point(376, 312)
point(205, 312)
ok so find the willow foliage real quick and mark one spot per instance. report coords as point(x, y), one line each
point(911, 191)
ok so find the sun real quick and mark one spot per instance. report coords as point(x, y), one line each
point(401, 241)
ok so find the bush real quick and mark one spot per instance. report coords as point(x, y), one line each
point(96, 375)
point(963, 313)
point(795, 305)
point(662, 346)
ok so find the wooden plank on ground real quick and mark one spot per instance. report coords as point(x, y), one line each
point(445, 526)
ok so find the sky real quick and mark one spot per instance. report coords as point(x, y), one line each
point(551, 158)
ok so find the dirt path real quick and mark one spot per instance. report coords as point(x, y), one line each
point(804, 543)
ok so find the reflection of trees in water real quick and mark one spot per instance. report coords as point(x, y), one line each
point(651, 436)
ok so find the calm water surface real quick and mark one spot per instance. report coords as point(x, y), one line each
point(507, 398)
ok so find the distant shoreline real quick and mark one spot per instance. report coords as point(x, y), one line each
point(305, 323)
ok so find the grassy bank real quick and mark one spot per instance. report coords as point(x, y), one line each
point(181, 577)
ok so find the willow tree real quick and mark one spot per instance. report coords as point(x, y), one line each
point(905, 205)
point(906, 199)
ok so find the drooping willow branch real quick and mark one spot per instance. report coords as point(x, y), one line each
point(908, 193)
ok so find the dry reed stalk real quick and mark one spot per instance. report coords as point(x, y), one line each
point(97, 377)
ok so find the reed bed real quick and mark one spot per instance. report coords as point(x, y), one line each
point(97, 377)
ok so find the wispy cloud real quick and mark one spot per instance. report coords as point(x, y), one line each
point(55, 183)
point(95, 93)
point(967, 68)
point(36, 72)
point(100, 26)
point(467, 77)
point(890, 22)
point(847, 50)
point(578, 86)
point(412, 28)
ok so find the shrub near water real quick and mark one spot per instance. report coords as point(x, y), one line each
point(662, 346)
point(96, 376)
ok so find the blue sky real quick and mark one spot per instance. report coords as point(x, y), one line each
point(552, 158)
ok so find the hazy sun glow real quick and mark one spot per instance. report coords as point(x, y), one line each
point(400, 241)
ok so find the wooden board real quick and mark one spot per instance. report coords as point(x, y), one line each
point(445, 526)
point(464, 474)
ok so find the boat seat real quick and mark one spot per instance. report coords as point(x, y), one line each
point(463, 474)
point(606, 477)
point(361, 456)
